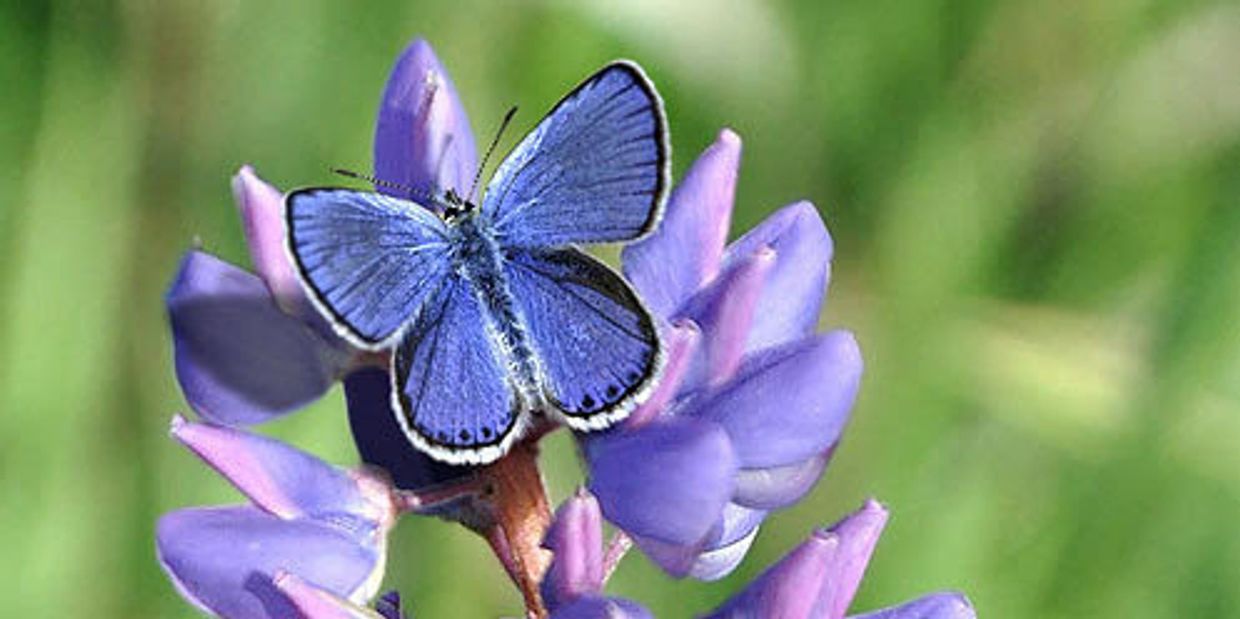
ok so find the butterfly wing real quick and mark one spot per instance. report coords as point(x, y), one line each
point(594, 170)
point(598, 348)
point(370, 261)
point(451, 389)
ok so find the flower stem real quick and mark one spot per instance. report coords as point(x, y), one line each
point(518, 500)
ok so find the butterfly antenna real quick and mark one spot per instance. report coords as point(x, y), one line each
point(378, 182)
point(512, 111)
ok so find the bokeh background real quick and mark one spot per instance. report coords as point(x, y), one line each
point(1036, 208)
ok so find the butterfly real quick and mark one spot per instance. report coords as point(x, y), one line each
point(493, 315)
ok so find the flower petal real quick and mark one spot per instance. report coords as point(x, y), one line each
point(316, 603)
point(724, 311)
point(286, 481)
point(262, 214)
point(668, 480)
point(576, 539)
point(422, 138)
point(793, 296)
point(787, 404)
point(681, 341)
point(380, 440)
point(857, 534)
point(388, 605)
point(789, 588)
point(780, 486)
point(241, 360)
point(684, 251)
point(223, 559)
point(730, 541)
point(946, 605)
point(598, 607)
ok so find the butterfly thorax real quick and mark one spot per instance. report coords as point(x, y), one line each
point(477, 258)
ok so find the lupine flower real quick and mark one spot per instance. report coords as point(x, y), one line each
point(819, 578)
point(752, 403)
point(573, 585)
point(306, 520)
point(317, 603)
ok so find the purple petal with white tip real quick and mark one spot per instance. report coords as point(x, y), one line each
point(576, 539)
point(281, 479)
point(947, 605)
point(793, 296)
point(239, 359)
point(684, 251)
point(780, 486)
point(316, 603)
point(790, 588)
point(729, 543)
point(668, 480)
point(598, 607)
point(224, 559)
point(422, 138)
point(724, 311)
point(262, 214)
point(858, 534)
point(787, 404)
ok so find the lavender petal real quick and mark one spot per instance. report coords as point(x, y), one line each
point(946, 605)
point(685, 250)
point(787, 404)
point(781, 486)
point(789, 588)
point(576, 539)
point(224, 559)
point(316, 603)
point(239, 359)
point(262, 214)
point(792, 299)
point(857, 534)
point(422, 138)
point(283, 480)
point(598, 607)
point(668, 480)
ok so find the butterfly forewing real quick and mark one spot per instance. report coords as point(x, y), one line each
point(598, 348)
point(368, 260)
point(594, 170)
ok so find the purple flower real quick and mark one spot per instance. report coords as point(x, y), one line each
point(818, 579)
point(306, 520)
point(573, 585)
point(752, 402)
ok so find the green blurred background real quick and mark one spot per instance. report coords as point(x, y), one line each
point(1036, 208)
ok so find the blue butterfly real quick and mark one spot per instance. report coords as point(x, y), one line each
point(495, 317)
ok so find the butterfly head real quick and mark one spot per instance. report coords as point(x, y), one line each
point(456, 207)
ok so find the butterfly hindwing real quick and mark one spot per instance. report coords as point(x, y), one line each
point(594, 170)
point(370, 261)
point(452, 392)
point(598, 348)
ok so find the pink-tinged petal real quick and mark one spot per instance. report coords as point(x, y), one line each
point(681, 341)
point(239, 359)
point(946, 605)
point(576, 539)
point(286, 481)
point(316, 603)
point(857, 534)
point(262, 214)
point(790, 588)
point(422, 138)
point(793, 296)
point(224, 559)
point(780, 486)
point(668, 480)
point(787, 404)
point(685, 250)
point(724, 311)
point(599, 607)
point(729, 543)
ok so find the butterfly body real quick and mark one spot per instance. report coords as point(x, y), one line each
point(492, 314)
